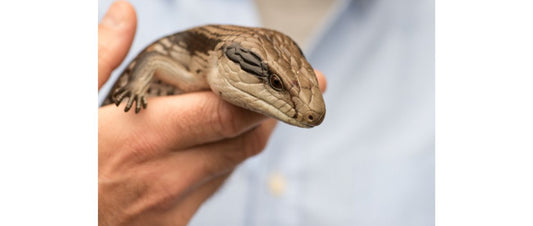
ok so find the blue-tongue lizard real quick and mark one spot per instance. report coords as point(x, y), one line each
point(255, 68)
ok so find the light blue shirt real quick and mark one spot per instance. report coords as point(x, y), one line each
point(371, 162)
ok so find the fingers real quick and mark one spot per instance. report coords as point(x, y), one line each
point(178, 178)
point(214, 159)
point(321, 80)
point(184, 170)
point(115, 35)
point(178, 122)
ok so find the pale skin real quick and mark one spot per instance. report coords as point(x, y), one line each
point(157, 167)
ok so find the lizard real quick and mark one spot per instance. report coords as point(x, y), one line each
point(259, 69)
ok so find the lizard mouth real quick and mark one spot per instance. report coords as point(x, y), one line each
point(313, 118)
point(310, 120)
point(264, 105)
point(291, 116)
point(285, 116)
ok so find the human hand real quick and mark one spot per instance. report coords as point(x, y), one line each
point(157, 167)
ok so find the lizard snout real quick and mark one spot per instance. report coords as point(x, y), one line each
point(313, 118)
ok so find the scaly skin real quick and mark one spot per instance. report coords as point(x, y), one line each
point(255, 68)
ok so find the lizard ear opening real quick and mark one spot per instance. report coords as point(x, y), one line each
point(247, 60)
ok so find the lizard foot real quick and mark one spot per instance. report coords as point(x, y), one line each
point(132, 95)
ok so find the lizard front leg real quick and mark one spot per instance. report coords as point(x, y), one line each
point(146, 66)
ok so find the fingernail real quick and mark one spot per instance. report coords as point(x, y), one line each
point(114, 15)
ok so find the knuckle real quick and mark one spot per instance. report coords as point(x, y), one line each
point(211, 166)
point(240, 148)
point(254, 142)
point(222, 165)
point(225, 120)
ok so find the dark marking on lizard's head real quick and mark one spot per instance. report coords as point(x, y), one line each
point(247, 60)
point(267, 70)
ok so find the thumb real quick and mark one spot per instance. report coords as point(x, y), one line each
point(321, 80)
point(115, 35)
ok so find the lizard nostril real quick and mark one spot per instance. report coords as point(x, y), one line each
point(313, 118)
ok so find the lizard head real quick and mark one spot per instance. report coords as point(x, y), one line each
point(266, 72)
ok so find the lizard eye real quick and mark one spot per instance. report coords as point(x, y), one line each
point(275, 82)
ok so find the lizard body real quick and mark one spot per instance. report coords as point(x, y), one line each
point(255, 68)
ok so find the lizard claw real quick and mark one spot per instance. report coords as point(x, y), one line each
point(133, 96)
point(139, 101)
point(130, 103)
point(144, 102)
point(119, 95)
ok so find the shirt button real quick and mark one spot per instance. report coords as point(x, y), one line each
point(276, 184)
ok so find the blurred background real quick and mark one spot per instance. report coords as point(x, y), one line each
point(371, 162)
